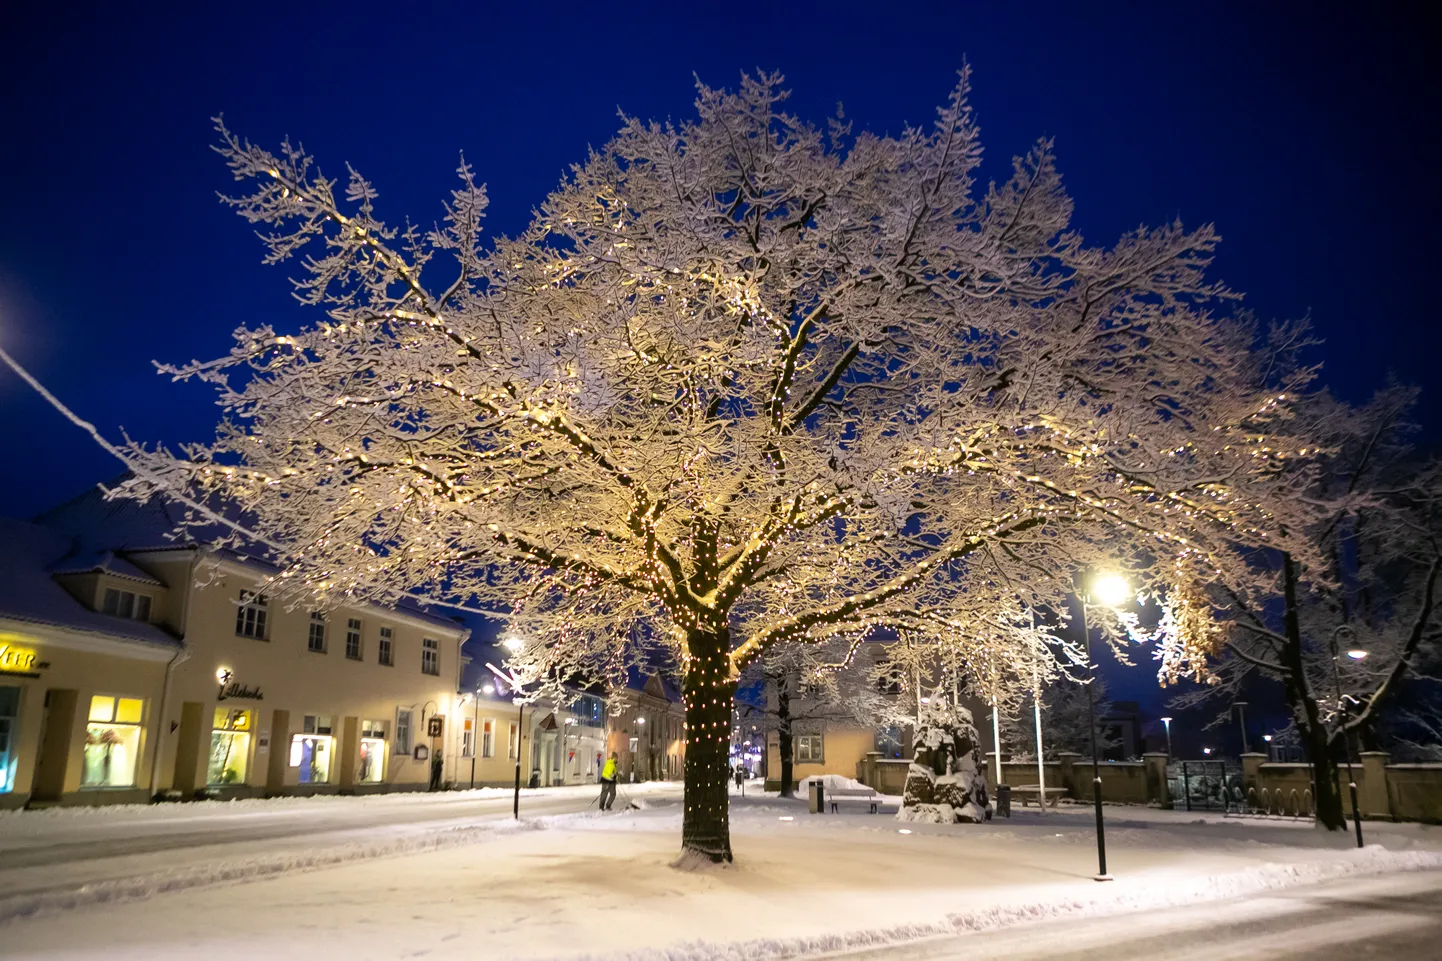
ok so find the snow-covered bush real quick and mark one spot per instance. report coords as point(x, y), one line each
point(945, 784)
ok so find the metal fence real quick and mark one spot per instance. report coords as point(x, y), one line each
point(1205, 785)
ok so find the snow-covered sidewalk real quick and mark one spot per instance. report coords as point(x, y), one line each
point(592, 886)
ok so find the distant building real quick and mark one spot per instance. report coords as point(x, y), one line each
point(648, 730)
point(133, 664)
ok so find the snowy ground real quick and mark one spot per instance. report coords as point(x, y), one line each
point(590, 886)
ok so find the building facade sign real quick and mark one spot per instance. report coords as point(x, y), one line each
point(17, 659)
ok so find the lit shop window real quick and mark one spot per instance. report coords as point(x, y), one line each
point(9, 711)
point(127, 604)
point(372, 751)
point(230, 746)
point(112, 741)
point(311, 750)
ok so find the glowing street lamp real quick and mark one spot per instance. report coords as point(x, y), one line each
point(1109, 590)
point(1167, 723)
point(1357, 654)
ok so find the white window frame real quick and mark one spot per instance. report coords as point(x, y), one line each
point(252, 616)
point(513, 743)
point(354, 632)
point(130, 605)
point(431, 656)
point(488, 737)
point(317, 631)
point(403, 742)
point(810, 749)
point(468, 737)
point(386, 648)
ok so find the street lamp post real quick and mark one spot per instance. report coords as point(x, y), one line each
point(1241, 707)
point(1167, 723)
point(514, 645)
point(1356, 655)
point(1111, 590)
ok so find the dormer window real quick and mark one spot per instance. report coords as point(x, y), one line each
point(127, 604)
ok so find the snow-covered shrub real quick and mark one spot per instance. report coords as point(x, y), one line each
point(945, 783)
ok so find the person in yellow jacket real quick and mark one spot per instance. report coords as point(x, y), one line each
point(608, 783)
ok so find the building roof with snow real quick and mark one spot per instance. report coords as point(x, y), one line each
point(31, 557)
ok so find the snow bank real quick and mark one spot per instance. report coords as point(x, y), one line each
point(143, 886)
point(1114, 899)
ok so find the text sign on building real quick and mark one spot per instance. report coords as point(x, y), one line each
point(16, 659)
point(239, 691)
point(436, 725)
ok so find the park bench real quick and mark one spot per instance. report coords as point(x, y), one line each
point(1022, 792)
point(853, 795)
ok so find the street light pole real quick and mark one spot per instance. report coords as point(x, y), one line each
point(1096, 764)
point(1242, 722)
point(1167, 723)
point(1346, 744)
point(520, 730)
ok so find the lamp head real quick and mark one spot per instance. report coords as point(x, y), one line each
point(1111, 590)
point(1357, 654)
point(513, 644)
point(489, 688)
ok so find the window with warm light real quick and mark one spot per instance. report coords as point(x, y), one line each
point(230, 746)
point(513, 750)
point(112, 741)
point(311, 750)
point(372, 751)
point(488, 738)
point(468, 737)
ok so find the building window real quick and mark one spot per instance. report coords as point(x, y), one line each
point(403, 731)
point(808, 749)
point(250, 616)
point(311, 749)
point(112, 741)
point(9, 711)
point(353, 639)
point(430, 656)
point(488, 738)
point(127, 604)
point(513, 743)
point(316, 641)
point(387, 647)
point(468, 738)
point(372, 751)
point(229, 746)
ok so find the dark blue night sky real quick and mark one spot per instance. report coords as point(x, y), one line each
point(1308, 134)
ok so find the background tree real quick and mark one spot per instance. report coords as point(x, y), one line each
point(807, 686)
point(742, 382)
point(1066, 721)
point(1370, 588)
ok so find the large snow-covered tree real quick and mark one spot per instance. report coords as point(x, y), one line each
point(743, 381)
point(1369, 584)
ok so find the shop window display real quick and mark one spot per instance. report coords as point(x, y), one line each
point(311, 751)
point(230, 746)
point(372, 751)
point(9, 711)
point(112, 741)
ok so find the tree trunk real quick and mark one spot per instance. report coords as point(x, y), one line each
point(709, 696)
point(1325, 794)
point(783, 736)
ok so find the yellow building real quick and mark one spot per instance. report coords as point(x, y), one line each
point(648, 731)
point(134, 666)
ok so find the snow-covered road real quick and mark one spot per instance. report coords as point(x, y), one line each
point(47, 853)
point(1398, 918)
point(453, 877)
